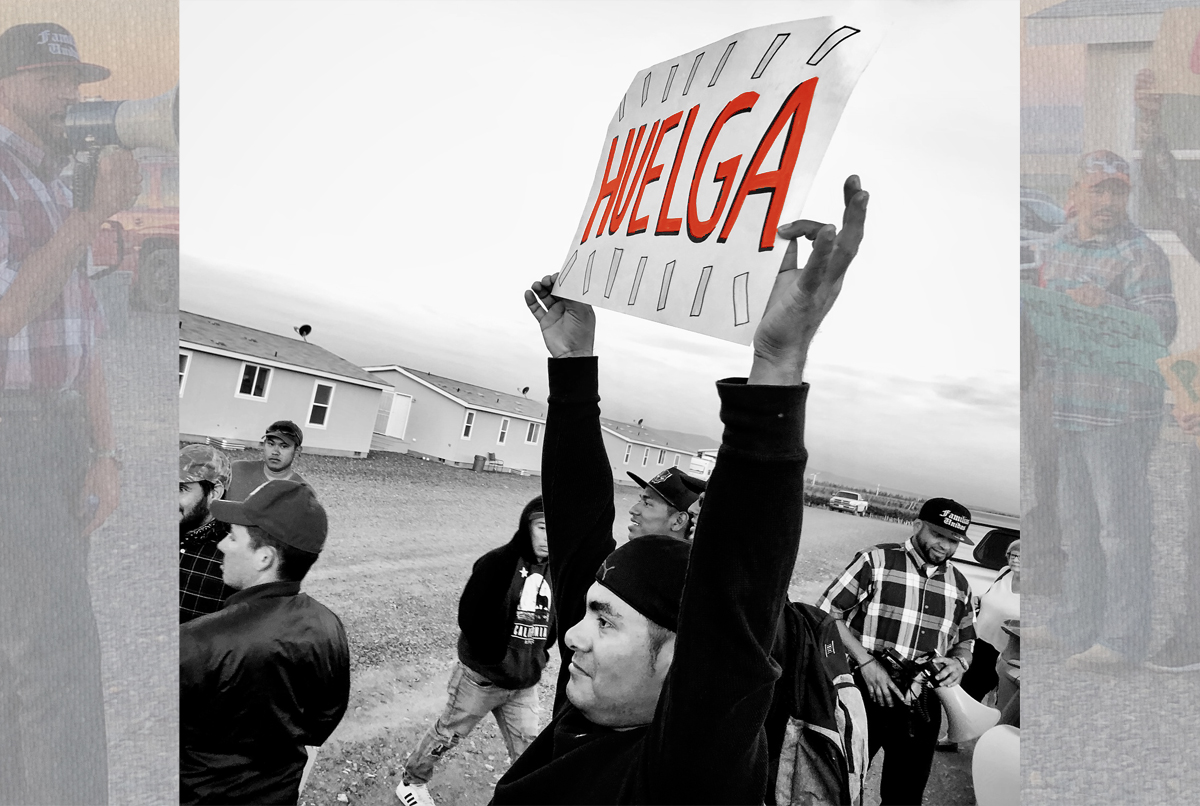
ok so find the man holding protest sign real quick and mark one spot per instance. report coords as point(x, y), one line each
point(1106, 417)
point(669, 637)
point(1176, 205)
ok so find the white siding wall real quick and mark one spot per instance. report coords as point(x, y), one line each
point(210, 407)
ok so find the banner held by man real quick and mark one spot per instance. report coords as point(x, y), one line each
point(706, 155)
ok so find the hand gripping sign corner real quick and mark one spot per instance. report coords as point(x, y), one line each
point(706, 155)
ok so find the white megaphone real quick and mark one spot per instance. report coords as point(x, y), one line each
point(969, 719)
point(148, 123)
point(996, 767)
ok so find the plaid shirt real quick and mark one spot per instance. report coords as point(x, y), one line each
point(895, 599)
point(201, 588)
point(50, 352)
point(1137, 275)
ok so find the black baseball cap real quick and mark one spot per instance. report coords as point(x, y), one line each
point(671, 485)
point(286, 510)
point(947, 518)
point(35, 45)
point(286, 429)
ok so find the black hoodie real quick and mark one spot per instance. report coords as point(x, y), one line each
point(505, 613)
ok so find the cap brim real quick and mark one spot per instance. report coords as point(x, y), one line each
point(942, 531)
point(88, 73)
point(231, 512)
point(641, 483)
point(281, 435)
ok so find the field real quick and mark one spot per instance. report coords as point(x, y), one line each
point(403, 535)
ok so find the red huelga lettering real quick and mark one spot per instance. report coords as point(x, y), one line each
point(609, 186)
point(664, 225)
point(699, 230)
point(622, 207)
point(794, 111)
point(652, 174)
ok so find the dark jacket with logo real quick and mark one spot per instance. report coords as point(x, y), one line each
point(706, 743)
point(258, 680)
point(506, 612)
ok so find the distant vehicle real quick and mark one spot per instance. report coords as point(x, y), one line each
point(1040, 217)
point(849, 501)
point(982, 562)
point(144, 240)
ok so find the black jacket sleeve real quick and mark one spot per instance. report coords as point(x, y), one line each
point(719, 689)
point(577, 491)
point(482, 617)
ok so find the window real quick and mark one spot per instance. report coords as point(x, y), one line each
point(628, 450)
point(255, 383)
point(662, 457)
point(533, 434)
point(468, 425)
point(185, 361)
point(676, 462)
point(645, 457)
point(318, 412)
point(503, 431)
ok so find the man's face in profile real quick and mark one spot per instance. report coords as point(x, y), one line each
point(40, 98)
point(1101, 207)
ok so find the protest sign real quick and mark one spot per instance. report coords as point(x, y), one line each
point(1182, 373)
point(1109, 340)
point(1176, 54)
point(706, 155)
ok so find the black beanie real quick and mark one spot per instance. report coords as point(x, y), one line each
point(648, 574)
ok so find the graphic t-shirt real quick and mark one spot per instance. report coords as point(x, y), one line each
point(528, 601)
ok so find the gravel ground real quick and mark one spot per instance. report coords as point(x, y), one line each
point(403, 535)
point(133, 576)
point(1127, 737)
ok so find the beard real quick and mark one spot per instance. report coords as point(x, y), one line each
point(195, 517)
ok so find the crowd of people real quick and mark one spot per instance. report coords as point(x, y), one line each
point(684, 625)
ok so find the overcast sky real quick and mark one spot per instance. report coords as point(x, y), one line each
point(394, 174)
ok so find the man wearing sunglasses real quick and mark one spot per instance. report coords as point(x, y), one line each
point(1105, 424)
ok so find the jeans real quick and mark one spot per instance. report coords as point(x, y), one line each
point(472, 697)
point(53, 746)
point(1105, 511)
point(908, 742)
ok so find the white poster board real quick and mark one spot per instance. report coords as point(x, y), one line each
point(706, 155)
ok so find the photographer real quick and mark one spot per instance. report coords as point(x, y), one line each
point(908, 598)
point(58, 464)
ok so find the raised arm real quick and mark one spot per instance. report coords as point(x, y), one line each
point(577, 483)
point(746, 544)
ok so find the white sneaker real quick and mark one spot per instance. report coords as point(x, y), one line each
point(414, 794)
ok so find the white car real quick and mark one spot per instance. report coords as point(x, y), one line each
point(982, 562)
point(849, 501)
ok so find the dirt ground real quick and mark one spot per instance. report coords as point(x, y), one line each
point(403, 535)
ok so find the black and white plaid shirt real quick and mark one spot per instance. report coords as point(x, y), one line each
point(890, 597)
point(201, 588)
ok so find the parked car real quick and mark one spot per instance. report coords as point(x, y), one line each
point(1040, 217)
point(982, 562)
point(849, 501)
point(144, 240)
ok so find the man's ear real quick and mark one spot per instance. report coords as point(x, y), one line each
point(666, 654)
point(679, 521)
point(217, 492)
point(266, 558)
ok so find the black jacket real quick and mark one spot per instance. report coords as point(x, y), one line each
point(506, 612)
point(258, 680)
point(706, 743)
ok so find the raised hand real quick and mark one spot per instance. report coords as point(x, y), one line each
point(568, 327)
point(801, 298)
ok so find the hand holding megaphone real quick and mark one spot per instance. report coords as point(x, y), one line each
point(118, 182)
point(949, 673)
